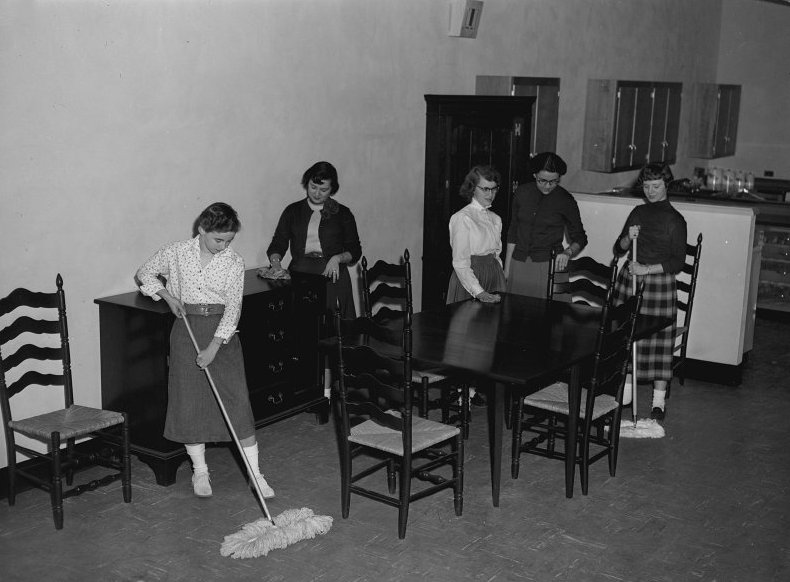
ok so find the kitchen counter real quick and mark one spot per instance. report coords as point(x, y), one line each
point(768, 212)
point(722, 320)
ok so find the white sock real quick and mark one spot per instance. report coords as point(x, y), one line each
point(628, 391)
point(658, 398)
point(251, 453)
point(197, 453)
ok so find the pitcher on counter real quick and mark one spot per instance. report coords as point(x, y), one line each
point(661, 254)
point(205, 282)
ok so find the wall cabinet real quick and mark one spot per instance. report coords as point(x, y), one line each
point(714, 120)
point(630, 123)
point(545, 110)
point(279, 330)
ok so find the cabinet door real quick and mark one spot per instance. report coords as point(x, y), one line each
point(665, 123)
point(461, 132)
point(714, 120)
point(729, 98)
point(545, 111)
point(632, 126)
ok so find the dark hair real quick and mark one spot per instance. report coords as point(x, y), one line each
point(219, 217)
point(473, 178)
point(657, 171)
point(319, 172)
point(548, 162)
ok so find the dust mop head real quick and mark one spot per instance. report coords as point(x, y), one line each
point(260, 537)
point(646, 428)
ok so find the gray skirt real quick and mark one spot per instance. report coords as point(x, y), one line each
point(488, 272)
point(528, 278)
point(193, 415)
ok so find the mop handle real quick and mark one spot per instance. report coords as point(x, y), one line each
point(633, 344)
point(250, 470)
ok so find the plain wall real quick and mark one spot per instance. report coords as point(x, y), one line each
point(754, 52)
point(122, 120)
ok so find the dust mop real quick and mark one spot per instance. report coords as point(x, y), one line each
point(260, 537)
point(642, 428)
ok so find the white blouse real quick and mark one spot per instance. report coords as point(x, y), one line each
point(221, 281)
point(474, 230)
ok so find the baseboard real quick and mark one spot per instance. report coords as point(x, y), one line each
point(727, 374)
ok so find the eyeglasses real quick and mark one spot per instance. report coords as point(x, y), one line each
point(542, 182)
point(492, 190)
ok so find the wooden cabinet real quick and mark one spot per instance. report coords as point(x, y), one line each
point(462, 131)
point(279, 329)
point(630, 123)
point(545, 110)
point(714, 120)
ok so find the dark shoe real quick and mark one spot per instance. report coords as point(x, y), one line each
point(657, 413)
point(477, 400)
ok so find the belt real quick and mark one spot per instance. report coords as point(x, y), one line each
point(314, 255)
point(204, 309)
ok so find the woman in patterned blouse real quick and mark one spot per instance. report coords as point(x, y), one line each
point(205, 282)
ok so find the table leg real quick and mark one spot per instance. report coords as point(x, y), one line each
point(496, 410)
point(574, 397)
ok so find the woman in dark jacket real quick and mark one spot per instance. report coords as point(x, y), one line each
point(544, 214)
point(322, 236)
point(661, 253)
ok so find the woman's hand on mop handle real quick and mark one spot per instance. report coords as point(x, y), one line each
point(633, 232)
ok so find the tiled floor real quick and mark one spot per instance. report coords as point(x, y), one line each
point(711, 501)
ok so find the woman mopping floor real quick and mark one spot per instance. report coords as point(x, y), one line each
point(661, 231)
point(205, 280)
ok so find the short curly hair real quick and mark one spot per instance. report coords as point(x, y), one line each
point(473, 178)
point(655, 171)
point(219, 217)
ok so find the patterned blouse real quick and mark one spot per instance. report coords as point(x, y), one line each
point(221, 281)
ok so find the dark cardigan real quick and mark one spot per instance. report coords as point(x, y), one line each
point(337, 232)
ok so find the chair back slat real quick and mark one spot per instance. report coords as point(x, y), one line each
point(33, 378)
point(25, 298)
point(31, 352)
point(584, 281)
point(27, 324)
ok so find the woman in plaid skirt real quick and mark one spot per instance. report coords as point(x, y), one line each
point(661, 253)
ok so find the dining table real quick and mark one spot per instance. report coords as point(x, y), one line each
point(522, 343)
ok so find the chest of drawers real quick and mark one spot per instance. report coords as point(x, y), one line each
point(279, 328)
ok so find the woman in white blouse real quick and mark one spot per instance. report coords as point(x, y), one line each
point(476, 240)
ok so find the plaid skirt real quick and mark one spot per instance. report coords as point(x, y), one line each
point(488, 272)
point(193, 415)
point(654, 353)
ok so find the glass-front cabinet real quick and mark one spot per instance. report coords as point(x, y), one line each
point(773, 292)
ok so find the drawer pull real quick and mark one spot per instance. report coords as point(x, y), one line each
point(310, 296)
point(277, 305)
point(275, 399)
point(278, 367)
point(277, 336)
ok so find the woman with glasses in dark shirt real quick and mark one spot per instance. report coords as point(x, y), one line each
point(543, 215)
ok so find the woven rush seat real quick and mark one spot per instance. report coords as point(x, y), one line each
point(554, 398)
point(424, 433)
point(72, 422)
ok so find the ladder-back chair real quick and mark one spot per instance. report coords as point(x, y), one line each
point(61, 426)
